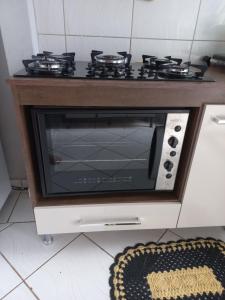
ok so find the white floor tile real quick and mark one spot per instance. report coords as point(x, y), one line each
point(23, 211)
point(20, 293)
point(3, 226)
point(116, 241)
point(8, 207)
point(79, 272)
point(8, 278)
point(189, 233)
point(24, 248)
point(169, 237)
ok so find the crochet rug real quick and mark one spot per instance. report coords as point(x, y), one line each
point(183, 270)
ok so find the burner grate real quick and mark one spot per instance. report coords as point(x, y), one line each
point(49, 63)
point(155, 68)
point(110, 66)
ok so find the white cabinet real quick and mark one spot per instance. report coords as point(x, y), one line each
point(204, 198)
point(4, 179)
point(105, 217)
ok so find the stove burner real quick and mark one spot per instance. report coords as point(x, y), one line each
point(48, 63)
point(171, 68)
point(110, 60)
point(105, 66)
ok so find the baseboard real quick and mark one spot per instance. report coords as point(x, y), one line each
point(20, 183)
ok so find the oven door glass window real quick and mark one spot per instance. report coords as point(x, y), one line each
point(99, 152)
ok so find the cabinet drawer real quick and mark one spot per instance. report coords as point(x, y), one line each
point(99, 217)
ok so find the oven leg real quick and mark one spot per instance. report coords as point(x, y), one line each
point(47, 239)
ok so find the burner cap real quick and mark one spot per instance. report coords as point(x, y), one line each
point(110, 59)
point(175, 71)
point(178, 70)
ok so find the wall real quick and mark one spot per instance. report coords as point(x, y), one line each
point(15, 45)
point(185, 28)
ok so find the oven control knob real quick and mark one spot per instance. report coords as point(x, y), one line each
point(177, 128)
point(173, 141)
point(168, 165)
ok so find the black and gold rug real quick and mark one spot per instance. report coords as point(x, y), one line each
point(183, 270)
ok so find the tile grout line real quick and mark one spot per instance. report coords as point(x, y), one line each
point(8, 225)
point(31, 290)
point(21, 283)
point(64, 24)
point(96, 244)
point(18, 274)
point(195, 29)
point(171, 230)
point(35, 17)
point(14, 269)
point(136, 38)
point(53, 256)
point(178, 219)
point(132, 20)
point(24, 279)
point(3, 297)
point(14, 207)
point(22, 222)
point(162, 235)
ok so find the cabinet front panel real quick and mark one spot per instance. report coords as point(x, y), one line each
point(204, 199)
point(84, 218)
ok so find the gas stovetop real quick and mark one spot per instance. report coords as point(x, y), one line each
point(113, 67)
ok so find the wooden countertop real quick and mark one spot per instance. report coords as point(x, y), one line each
point(108, 93)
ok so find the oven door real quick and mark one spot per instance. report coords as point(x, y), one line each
point(98, 151)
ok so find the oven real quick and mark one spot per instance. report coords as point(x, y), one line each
point(95, 151)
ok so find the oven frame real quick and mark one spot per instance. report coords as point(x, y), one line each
point(41, 152)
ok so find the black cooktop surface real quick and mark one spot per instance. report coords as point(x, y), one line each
point(81, 72)
point(113, 67)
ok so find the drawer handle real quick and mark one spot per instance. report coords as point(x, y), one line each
point(122, 222)
point(219, 120)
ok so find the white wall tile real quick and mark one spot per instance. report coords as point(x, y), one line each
point(16, 34)
point(83, 45)
point(49, 16)
point(160, 48)
point(98, 17)
point(54, 43)
point(211, 22)
point(202, 48)
point(170, 19)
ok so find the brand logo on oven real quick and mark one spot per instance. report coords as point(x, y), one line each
point(96, 180)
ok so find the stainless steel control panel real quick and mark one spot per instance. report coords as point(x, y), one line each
point(175, 129)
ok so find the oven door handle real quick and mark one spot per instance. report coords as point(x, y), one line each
point(156, 151)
